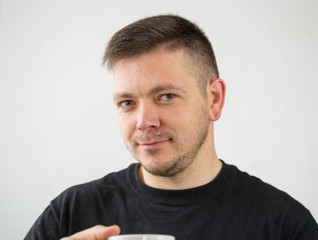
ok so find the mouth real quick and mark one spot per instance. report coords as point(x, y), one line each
point(153, 144)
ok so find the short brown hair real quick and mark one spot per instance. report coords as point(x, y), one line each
point(168, 31)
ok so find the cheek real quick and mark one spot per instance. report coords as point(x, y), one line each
point(186, 118)
point(173, 119)
point(126, 126)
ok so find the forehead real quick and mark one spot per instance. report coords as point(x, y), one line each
point(148, 70)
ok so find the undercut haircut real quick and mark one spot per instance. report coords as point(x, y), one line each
point(169, 32)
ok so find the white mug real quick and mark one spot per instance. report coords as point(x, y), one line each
point(142, 237)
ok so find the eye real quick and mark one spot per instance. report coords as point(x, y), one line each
point(126, 103)
point(166, 97)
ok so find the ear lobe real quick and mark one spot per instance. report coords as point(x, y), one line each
point(216, 95)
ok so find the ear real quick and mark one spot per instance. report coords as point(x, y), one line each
point(216, 95)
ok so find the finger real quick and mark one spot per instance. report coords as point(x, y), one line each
point(98, 232)
point(104, 233)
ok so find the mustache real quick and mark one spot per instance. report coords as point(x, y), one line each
point(150, 136)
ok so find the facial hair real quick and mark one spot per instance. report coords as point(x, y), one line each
point(180, 162)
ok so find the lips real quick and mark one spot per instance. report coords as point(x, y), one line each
point(153, 144)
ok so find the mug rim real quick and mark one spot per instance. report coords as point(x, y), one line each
point(141, 235)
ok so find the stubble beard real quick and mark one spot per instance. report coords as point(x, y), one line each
point(180, 162)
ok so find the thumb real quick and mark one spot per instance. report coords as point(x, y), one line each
point(98, 232)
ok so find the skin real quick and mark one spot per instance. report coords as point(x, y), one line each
point(166, 123)
point(98, 232)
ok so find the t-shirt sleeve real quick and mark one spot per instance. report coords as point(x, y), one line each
point(46, 227)
point(299, 224)
point(309, 230)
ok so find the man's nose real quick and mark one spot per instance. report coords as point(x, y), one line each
point(147, 117)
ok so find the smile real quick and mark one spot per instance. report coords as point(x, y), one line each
point(153, 145)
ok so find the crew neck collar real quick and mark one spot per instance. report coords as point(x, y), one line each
point(191, 194)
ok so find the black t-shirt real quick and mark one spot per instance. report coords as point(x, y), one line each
point(235, 205)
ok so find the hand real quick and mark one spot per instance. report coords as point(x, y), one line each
point(98, 232)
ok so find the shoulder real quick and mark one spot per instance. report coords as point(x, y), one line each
point(254, 193)
point(253, 188)
point(274, 205)
point(103, 188)
point(78, 207)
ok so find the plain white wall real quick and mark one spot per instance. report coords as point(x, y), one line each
point(57, 122)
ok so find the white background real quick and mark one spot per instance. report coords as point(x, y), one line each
point(57, 122)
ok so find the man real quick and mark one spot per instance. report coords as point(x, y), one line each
point(168, 93)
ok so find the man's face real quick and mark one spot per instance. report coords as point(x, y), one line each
point(161, 113)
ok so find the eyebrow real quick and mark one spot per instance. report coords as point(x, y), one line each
point(161, 88)
point(165, 87)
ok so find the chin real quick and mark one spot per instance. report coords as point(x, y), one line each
point(161, 169)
